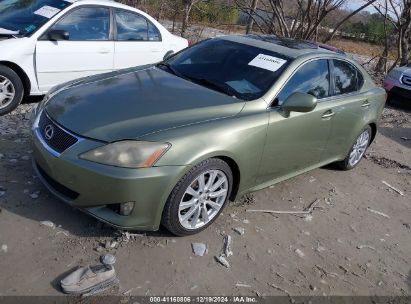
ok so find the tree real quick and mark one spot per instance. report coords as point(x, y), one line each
point(398, 14)
point(187, 7)
point(339, 24)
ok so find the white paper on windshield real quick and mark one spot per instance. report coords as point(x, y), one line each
point(47, 11)
point(267, 62)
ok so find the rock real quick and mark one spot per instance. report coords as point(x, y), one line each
point(227, 246)
point(245, 221)
point(313, 288)
point(48, 224)
point(108, 259)
point(113, 244)
point(99, 249)
point(4, 248)
point(239, 230)
point(25, 157)
point(308, 218)
point(223, 261)
point(299, 253)
point(199, 248)
point(2, 193)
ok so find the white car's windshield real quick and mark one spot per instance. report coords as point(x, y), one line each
point(24, 17)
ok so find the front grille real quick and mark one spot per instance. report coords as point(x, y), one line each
point(63, 190)
point(406, 80)
point(57, 139)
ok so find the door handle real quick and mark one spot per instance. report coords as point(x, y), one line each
point(365, 104)
point(104, 51)
point(328, 114)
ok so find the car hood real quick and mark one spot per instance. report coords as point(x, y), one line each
point(133, 103)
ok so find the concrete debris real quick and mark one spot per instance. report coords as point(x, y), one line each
point(108, 259)
point(199, 248)
point(222, 260)
point(299, 253)
point(366, 246)
point(377, 212)
point(279, 288)
point(48, 224)
point(227, 246)
point(4, 248)
point(393, 188)
point(239, 284)
point(239, 230)
point(308, 218)
point(308, 210)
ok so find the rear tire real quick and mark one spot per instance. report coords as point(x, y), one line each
point(11, 90)
point(357, 150)
point(198, 198)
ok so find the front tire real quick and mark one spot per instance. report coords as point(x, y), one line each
point(357, 150)
point(11, 90)
point(198, 198)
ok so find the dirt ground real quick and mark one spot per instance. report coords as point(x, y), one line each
point(358, 242)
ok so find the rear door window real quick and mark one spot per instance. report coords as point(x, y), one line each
point(347, 78)
point(131, 27)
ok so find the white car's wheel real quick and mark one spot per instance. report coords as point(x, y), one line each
point(11, 90)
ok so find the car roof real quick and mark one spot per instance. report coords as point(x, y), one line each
point(287, 46)
point(112, 3)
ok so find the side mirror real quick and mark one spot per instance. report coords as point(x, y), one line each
point(56, 35)
point(168, 55)
point(299, 102)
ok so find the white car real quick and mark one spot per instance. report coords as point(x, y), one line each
point(44, 43)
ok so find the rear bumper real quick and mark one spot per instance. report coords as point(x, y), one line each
point(92, 187)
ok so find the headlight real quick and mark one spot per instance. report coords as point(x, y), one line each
point(127, 154)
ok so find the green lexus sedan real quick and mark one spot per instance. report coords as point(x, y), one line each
point(171, 143)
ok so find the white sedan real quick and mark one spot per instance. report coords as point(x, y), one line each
point(44, 43)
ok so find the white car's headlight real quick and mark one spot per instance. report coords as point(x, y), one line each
point(127, 154)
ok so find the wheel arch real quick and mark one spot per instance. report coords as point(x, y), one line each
point(373, 126)
point(21, 73)
point(235, 170)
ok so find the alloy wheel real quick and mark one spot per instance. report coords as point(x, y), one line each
point(359, 148)
point(7, 92)
point(203, 199)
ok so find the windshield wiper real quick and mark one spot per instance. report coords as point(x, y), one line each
point(171, 69)
point(216, 86)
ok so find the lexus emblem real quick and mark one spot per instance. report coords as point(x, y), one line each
point(49, 132)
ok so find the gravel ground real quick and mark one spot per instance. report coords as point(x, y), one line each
point(358, 242)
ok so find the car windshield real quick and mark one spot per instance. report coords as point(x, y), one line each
point(243, 71)
point(23, 17)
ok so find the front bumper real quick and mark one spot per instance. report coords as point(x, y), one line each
point(92, 187)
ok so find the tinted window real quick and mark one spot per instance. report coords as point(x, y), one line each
point(345, 75)
point(131, 27)
point(88, 23)
point(312, 78)
point(236, 69)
